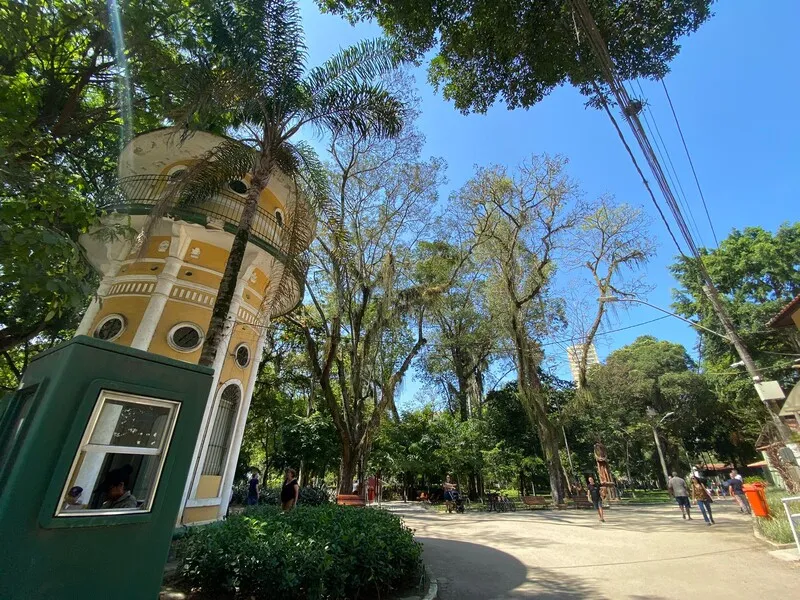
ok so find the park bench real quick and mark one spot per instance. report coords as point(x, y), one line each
point(536, 501)
point(349, 500)
point(581, 502)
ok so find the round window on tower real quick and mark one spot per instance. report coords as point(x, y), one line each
point(242, 355)
point(185, 337)
point(110, 328)
point(238, 186)
point(176, 173)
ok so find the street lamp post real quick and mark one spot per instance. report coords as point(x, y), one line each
point(658, 442)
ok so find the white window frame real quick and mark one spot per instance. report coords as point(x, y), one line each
point(174, 346)
point(105, 320)
point(173, 407)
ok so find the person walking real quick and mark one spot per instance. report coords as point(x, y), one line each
point(252, 489)
point(703, 498)
point(734, 487)
point(449, 498)
point(677, 489)
point(290, 492)
point(594, 496)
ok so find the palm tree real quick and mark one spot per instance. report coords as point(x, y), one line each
point(247, 75)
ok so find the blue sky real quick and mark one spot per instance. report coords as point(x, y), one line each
point(735, 92)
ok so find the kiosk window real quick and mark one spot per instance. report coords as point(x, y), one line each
point(122, 452)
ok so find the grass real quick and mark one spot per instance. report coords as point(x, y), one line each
point(647, 497)
point(776, 527)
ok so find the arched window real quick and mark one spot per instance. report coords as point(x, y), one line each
point(222, 433)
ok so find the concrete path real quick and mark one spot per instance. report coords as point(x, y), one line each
point(640, 553)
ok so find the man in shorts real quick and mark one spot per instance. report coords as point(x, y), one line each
point(595, 497)
point(677, 489)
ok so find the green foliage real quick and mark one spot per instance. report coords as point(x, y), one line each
point(329, 552)
point(271, 496)
point(649, 383)
point(61, 126)
point(757, 273)
point(521, 51)
point(245, 556)
point(776, 527)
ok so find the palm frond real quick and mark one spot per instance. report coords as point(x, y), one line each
point(363, 108)
point(264, 38)
point(363, 62)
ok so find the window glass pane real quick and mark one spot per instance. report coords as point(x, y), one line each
point(220, 439)
point(130, 424)
point(108, 481)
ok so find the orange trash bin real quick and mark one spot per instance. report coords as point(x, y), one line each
point(757, 498)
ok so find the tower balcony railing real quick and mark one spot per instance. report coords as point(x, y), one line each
point(140, 194)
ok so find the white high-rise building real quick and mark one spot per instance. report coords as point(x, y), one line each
point(574, 356)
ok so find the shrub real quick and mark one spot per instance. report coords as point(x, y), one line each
point(776, 528)
point(754, 479)
point(245, 557)
point(328, 551)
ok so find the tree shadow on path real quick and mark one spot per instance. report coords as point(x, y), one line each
point(467, 571)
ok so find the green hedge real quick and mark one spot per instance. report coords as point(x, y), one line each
point(309, 495)
point(326, 552)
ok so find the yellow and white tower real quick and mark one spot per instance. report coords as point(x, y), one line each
point(159, 298)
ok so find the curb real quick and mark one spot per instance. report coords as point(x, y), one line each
point(775, 545)
point(433, 586)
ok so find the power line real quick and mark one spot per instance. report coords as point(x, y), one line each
point(691, 163)
point(672, 172)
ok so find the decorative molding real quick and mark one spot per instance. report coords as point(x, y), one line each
point(132, 288)
point(192, 296)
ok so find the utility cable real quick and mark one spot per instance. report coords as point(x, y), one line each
point(691, 162)
point(666, 158)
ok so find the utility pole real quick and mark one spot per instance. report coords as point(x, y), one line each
point(752, 370)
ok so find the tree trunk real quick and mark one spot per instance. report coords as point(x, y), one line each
point(347, 470)
point(548, 435)
point(227, 286)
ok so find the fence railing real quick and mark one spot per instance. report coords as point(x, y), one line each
point(140, 193)
point(793, 518)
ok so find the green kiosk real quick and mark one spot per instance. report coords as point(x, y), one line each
point(95, 448)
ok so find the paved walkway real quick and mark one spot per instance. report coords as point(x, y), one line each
point(640, 553)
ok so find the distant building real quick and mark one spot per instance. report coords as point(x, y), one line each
point(574, 354)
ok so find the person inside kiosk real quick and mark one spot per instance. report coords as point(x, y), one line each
point(117, 492)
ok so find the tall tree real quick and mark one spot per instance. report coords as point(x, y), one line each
point(460, 327)
point(520, 51)
point(365, 305)
point(523, 218)
point(249, 68)
point(612, 243)
point(645, 389)
point(61, 126)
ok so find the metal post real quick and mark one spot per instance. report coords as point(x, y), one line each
point(661, 455)
point(569, 454)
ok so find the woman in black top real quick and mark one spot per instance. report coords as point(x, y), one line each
point(290, 491)
point(593, 494)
